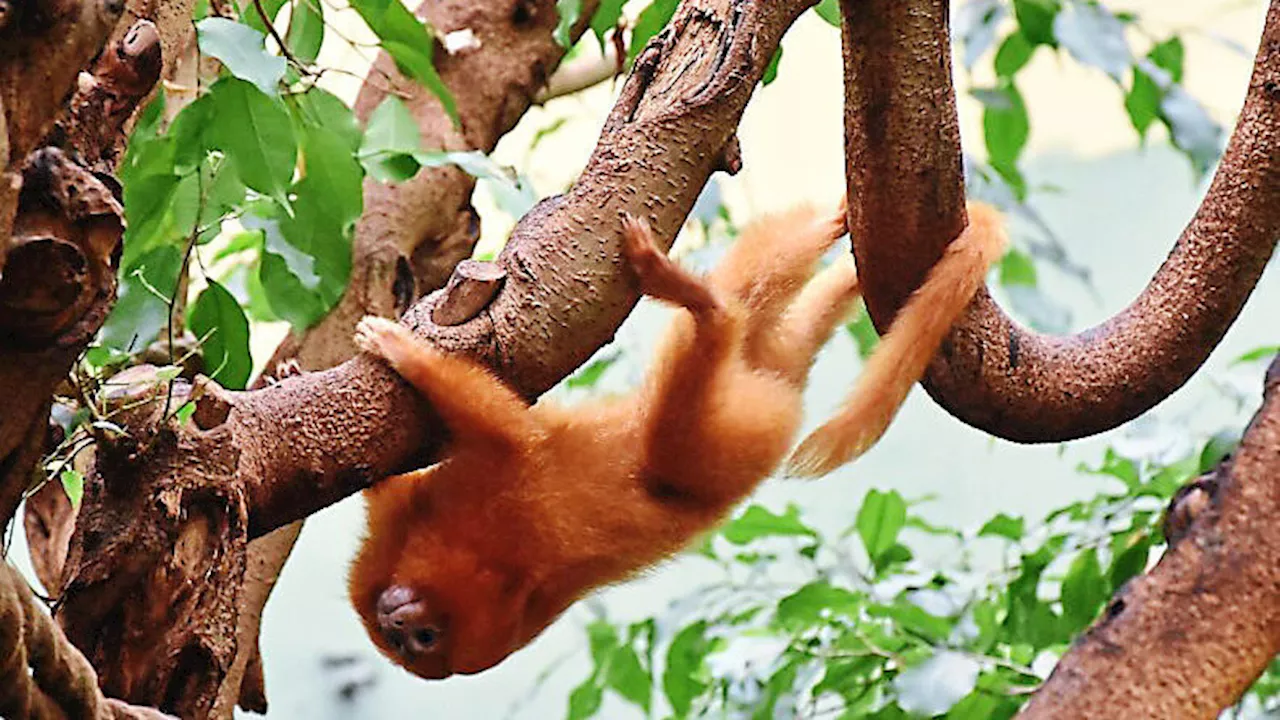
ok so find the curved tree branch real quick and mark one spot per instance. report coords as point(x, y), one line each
point(906, 204)
point(250, 462)
point(41, 674)
point(1187, 639)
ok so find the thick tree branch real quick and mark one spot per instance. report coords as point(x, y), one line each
point(1187, 639)
point(906, 203)
point(250, 462)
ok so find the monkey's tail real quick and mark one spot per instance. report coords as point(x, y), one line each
point(905, 351)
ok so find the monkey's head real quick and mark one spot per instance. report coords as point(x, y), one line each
point(434, 608)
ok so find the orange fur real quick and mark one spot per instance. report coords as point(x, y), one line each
point(904, 353)
point(533, 507)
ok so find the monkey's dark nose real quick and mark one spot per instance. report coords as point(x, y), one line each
point(405, 621)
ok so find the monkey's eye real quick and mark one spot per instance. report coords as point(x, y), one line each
point(426, 637)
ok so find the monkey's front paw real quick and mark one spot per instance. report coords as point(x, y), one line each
point(380, 336)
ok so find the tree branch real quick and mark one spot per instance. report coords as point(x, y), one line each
point(1187, 639)
point(906, 203)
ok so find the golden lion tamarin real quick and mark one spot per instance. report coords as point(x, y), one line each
point(467, 561)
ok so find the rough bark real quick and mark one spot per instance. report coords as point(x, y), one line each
point(1187, 639)
point(43, 46)
point(251, 462)
point(59, 225)
point(41, 676)
point(906, 203)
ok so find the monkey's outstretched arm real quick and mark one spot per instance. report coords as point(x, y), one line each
point(476, 406)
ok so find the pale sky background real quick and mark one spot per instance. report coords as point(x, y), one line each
point(1118, 211)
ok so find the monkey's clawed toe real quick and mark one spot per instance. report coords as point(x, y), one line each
point(373, 334)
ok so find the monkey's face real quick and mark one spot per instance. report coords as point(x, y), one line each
point(436, 611)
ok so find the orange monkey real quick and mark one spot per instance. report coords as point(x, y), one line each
point(532, 507)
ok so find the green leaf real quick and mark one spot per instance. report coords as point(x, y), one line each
point(1218, 447)
point(189, 128)
point(651, 21)
point(683, 677)
point(255, 133)
point(217, 317)
point(73, 485)
point(914, 618)
point(569, 11)
point(185, 412)
point(410, 43)
point(329, 192)
point(805, 607)
point(1120, 468)
point(390, 139)
point(829, 10)
point(863, 332)
point(287, 297)
point(585, 700)
point(757, 522)
point(1004, 526)
point(780, 683)
point(843, 676)
point(240, 49)
point(1005, 125)
point(1035, 18)
point(1016, 268)
point(603, 640)
point(249, 12)
point(1083, 590)
point(880, 519)
point(1265, 352)
point(1142, 102)
point(1169, 55)
point(1131, 561)
point(771, 71)
point(629, 678)
point(588, 376)
point(606, 18)
point(139, 315)
point(317, 107)
point(1013, 55)
point(306, 30)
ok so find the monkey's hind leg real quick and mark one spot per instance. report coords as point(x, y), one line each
point(774, 256)
point(821, 307)
point(476, 406)
point(712, 425)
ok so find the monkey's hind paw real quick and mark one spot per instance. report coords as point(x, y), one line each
point(840, 219)
point(382, 337)
point(638, 245)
